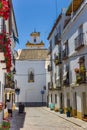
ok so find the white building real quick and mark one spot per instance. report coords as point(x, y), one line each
point(31, 72)
point(8, 29)
point(75, 59)
point(55, 67)
point(73, 69)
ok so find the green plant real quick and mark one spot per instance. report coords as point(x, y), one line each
point(69, 109)
point(78, 78)
point(82, 69)
point(61, 110)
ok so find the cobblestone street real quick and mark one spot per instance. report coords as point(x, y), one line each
point(38, 118)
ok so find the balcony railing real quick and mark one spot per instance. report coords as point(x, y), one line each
point(65, 54)
point(66, 78)
point(79, 41)
point(80, 79)
point(80, 75)
point(10, 86)
point(50, 85)
point(58, 84)
point(57, 38)
point(66, 82)
point(58, 60)
point(49, 68)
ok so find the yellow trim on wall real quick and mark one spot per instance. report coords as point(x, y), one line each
point(35, 34)
point(33, 44)
point(79, 115)
point(74, 112)
point(65, 110)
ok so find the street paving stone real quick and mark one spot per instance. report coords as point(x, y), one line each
point(41, 118)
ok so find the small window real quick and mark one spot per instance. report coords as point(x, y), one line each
point(34, 40)
point(31, 77)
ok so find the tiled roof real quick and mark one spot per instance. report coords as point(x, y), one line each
point(32, 54)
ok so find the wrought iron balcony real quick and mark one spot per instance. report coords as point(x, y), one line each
point(66, 82)
point(58, 84)
point(50, 85)
point(81, 76)
point(58, 60)
point(79, 41)
point(10, 85)
point(65, 54)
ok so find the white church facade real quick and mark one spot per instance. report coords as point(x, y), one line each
point(31, 72)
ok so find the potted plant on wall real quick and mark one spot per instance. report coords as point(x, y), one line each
point(61, 110)
point(68, 111)
point(1, 106)
point(76, 70)
point(17, 91)
point(56, 60)
point(82, 69)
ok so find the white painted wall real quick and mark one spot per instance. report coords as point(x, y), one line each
point(30, 92)
point(70, 33)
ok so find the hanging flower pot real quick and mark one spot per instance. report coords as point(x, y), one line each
point(17, 91)
point(76, 70)
point(1, 106)
point(82, 69)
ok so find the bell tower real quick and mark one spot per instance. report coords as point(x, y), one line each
point(35, 41)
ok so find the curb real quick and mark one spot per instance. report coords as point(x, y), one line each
point(78, 124)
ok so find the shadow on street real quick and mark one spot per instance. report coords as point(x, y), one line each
point(17, 121)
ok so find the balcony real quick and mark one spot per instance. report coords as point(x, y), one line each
point(79, 41)
point(80, 75)
point(66, 82)
point(58, 84)
point(66, 79)
point(9, 82)
point(50, 85)
point(10, 86)
point(65, 54)
point(57, 38)
point(57, 60)
point(49, 68)
point(80, 78)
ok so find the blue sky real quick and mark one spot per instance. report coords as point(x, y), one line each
point(36, 14)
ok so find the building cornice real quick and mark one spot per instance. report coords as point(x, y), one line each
point(54, 26)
